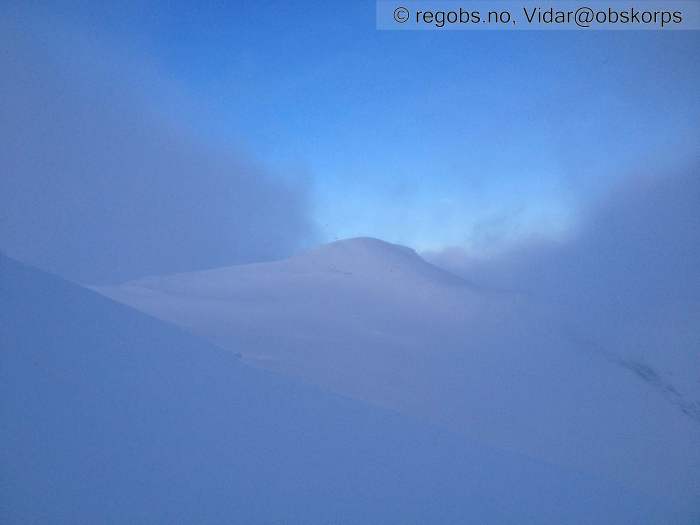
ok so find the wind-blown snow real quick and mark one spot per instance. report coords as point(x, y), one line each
point(110, 416)
point(375, 322)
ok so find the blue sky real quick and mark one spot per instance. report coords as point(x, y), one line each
point(429, 139)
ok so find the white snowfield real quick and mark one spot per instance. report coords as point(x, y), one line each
point(375, 322)
point(111, 416)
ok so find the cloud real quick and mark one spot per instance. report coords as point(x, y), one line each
point(104, 179)
point(626, 280)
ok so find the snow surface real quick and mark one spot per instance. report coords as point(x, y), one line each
point(111, 416)
point(375, 322)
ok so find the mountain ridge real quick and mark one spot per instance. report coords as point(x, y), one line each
point(367, 257)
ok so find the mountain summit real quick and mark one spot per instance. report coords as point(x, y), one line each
point(371, 257)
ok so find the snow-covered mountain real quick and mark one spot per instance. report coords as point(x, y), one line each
point(374, 321)
point(111, 416)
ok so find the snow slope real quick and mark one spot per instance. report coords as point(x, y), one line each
point(375, 322)
point(110, 416)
